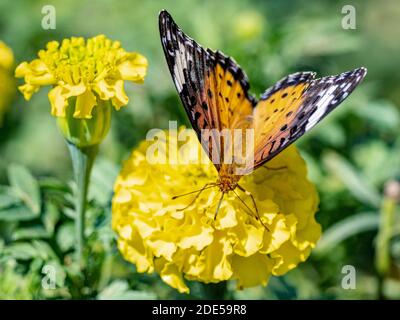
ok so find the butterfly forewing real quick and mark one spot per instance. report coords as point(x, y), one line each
point(212, 87)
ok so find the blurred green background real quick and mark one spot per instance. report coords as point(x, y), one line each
point(353, 156)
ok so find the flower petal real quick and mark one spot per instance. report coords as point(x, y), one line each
point(134, 68)
point(120, 99)
point(84, 105)
point(58, 102)
point(171, 275)
point(253, 270)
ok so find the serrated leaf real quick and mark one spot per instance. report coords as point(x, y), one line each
point(382, 114)
point(359, 187)
point(102, 181)
point(51, 217)
point(119, 290)
point(70, 213)
point(17, 213)
point(30, 233)
point(26, 186)
point(53, 184)
point(21, 251)
point(44, 250)
point(66, 237)
point(346, 228)
point(8, 197)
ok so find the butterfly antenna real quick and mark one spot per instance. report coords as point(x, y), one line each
point(219, 205)
point(275, 169)
point(254, 204)
point(206, 186)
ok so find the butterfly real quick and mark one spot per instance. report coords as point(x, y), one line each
point(214, 91)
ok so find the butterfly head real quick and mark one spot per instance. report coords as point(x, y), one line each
point(227, 183)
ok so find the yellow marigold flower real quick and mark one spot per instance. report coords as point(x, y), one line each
point(87, 78)
point(89, 70)
point(7, 83)
point(156, 236)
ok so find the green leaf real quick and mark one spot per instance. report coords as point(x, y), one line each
point(102, 181)
point(346, 228)
point(119, 290)
point(384, 115)
point(17, 213)
point(21, 251)
point(51, 217)
point(70, 213)
point(354, 181)
point(333, 134)
point(37, 232)
point(44, 250)
point(51, 183)
point(8, 197)
point(66, 237)
point(26, 186)
point(385, 164)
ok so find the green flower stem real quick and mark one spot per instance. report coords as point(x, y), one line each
point(382, 247)
point(382, 258)
point(82, 163)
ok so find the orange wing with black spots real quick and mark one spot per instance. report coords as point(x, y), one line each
point(294, 106)
point(212, 87)
point(214, 92)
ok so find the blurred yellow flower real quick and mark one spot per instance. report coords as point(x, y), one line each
point(156, 236)
point(249, 25)
point(7, 83)
point(88, 70)
point(88, 79)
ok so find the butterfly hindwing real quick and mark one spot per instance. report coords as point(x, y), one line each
point(296, 107)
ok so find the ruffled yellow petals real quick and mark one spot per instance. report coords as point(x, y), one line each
point(279, 234)
point(171, 275)
point(22, 69)
point(57, 101)
point(160, 233)
point(91, 70)
point(120, 98)
point(249, 239)
point(36, 74)
point(134, 68)
point(104, 90)
point(196, 236)
point(28, 90)
point(253, 270)
point(6, 57)
point(85, 103)
point(138, 253)
point(7, 83)
point(214, 262)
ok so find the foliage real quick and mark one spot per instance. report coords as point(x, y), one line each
point(351, 156)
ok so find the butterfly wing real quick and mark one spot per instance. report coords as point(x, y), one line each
point(214, 91)
point(294, 106)
point(212, 87)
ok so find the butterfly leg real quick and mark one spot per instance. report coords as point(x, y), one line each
point(219, 205)
point(248, 193)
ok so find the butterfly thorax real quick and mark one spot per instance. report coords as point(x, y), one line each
point(228, 183)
